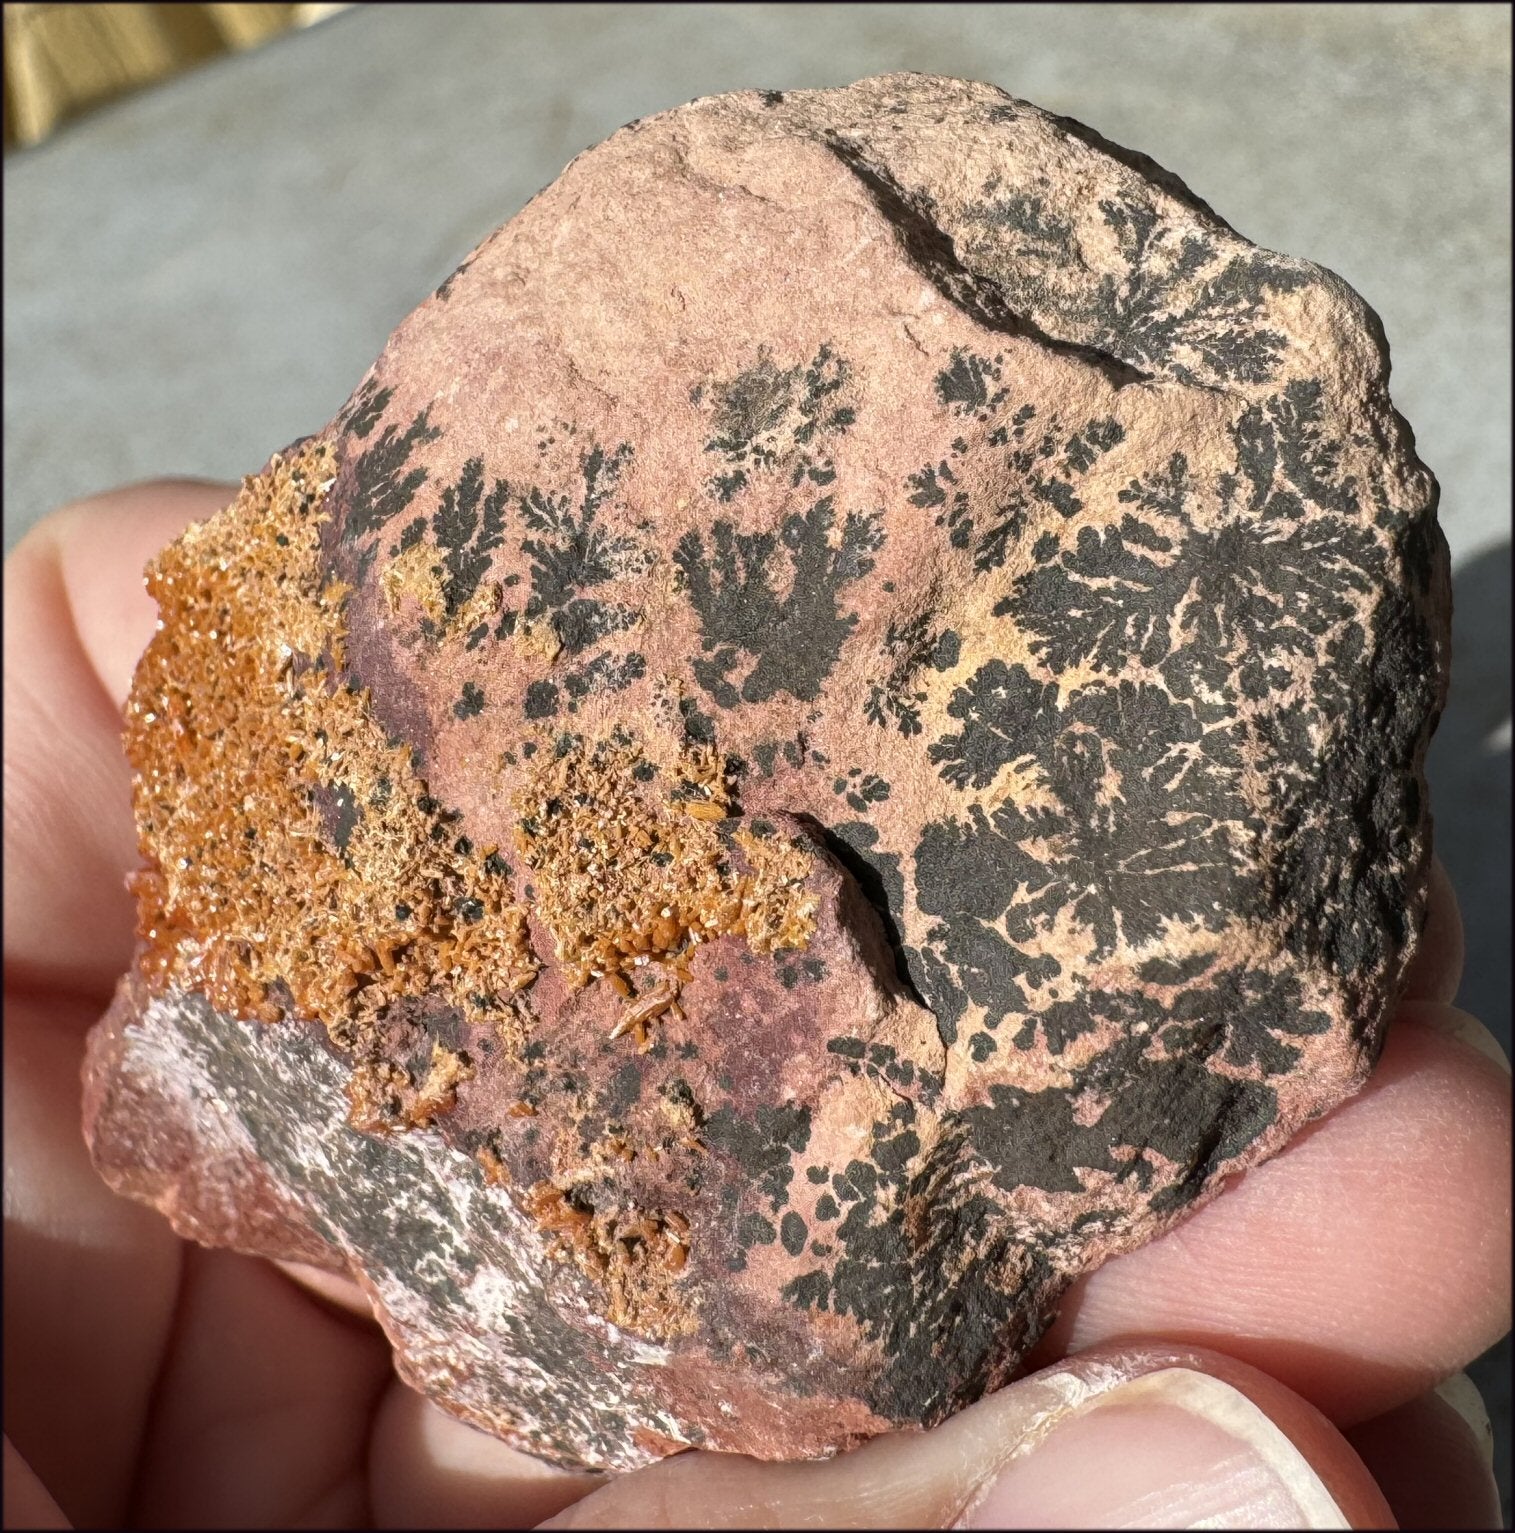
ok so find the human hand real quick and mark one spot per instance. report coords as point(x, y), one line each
point(153, 1382)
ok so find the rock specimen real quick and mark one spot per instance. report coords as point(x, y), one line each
point(832, 737)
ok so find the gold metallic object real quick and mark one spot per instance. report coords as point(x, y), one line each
point(63, 60)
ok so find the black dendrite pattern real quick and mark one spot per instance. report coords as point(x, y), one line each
point(383, 485)
point(910, 647)
point(892, 1218)
point(767, 416)
point(363, 410)
point(1175, 305)
point(860, 789)
point(1345, 863)
point(794, 638)
point(1130, 827)
point(1256, 581)
point(1045, 460)
point(468, 526)
point(1195, 1117)
point(1007, 717)
point(1241, 1016)
point(573, 552)
point(970, 384)
point(1125, 810)
point(604, 673)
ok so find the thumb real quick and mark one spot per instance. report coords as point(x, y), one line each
point(1137, 1436)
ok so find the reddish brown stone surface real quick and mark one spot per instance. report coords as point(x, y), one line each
point(832, 737)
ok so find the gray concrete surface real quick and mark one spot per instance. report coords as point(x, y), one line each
point(199, 274)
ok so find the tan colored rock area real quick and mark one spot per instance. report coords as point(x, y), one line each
point(904, 649)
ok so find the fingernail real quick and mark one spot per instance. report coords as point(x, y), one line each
point(1466, 1029)
point(1171, 1449)
point(1465, 1397)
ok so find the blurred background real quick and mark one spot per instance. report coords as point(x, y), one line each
point(215, 214)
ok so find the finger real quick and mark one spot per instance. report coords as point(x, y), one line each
point(102, 546)
point(1467, 1030)
point(76, 619)
point(1155, 1436)
point(428, 1469)
point(1433, 1459)
point(27, 1503)
point(331, 1287)
point(263, 1408)
point(90, 1278)
point(1367, 1261)
point(1436, 970)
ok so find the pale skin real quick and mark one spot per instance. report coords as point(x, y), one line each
point(158, 1383)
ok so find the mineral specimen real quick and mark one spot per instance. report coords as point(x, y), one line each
point(831, 738)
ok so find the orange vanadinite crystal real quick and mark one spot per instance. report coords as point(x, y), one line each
point(236, 724)
point(636, 1258)
point(634, 868)
point(240, 728)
